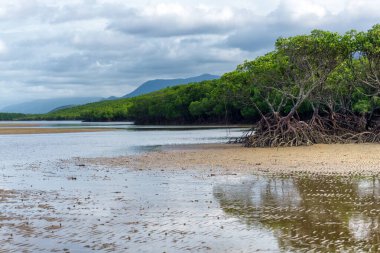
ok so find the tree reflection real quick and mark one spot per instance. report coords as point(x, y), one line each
point(325, 213)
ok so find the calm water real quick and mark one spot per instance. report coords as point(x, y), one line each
point(128, 139)
point(308, 213)
point(49, 205)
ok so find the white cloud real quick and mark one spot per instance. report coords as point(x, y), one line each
point(105, 47)
point(301, 8)
point(3, 47)
point(165, 20)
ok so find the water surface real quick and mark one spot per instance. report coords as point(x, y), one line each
point(128, 139)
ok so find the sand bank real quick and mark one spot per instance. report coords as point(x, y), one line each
point(321, 158)
point(18, 125)
point(25, 130)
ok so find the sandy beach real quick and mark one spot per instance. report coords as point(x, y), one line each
point(321, 158)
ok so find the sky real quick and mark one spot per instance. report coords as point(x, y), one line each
point(82, 48)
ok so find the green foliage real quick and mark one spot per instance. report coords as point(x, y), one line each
point(362, 106)
point(107, 110)
point(198, 102)
point(11, 116)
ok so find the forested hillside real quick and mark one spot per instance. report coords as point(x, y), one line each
point(158, 84)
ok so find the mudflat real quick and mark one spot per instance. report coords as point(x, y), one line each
point(321, 158)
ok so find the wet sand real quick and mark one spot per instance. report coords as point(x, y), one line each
point(322, 158)
point(195, 198)
point(26, 130)
point(18, 125)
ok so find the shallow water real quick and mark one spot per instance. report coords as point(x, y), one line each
point(58, 206)
point(84, 209)
point(51, 205)
point(128, 139)
point(309, 212)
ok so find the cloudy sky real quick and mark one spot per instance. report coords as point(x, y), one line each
point(66, 48)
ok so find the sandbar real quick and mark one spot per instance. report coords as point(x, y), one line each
point(18, 125)
point(25, 130)
point(320, 159)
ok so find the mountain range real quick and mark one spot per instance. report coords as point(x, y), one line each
point(158, 84)
point(46, 105)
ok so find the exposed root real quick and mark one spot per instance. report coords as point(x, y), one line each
point(287, 132)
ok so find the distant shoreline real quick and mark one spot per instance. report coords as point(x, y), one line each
point(345, 159)
point(28, 130)
point(23, 127)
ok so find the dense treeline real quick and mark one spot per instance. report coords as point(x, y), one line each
point(107, 110)
point(318, 88)
point(11, 116)
point(204, 102)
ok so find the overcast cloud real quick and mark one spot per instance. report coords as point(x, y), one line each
point(108, 47)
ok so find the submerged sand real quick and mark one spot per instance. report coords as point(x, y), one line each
point(321, 158)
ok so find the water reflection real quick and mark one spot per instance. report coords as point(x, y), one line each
point(322, 213)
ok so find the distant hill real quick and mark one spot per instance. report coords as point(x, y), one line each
point(158, 84)
point(47, 105)
point(62, 107)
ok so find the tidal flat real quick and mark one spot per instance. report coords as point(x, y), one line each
point(162, 191)
point(68, 206)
